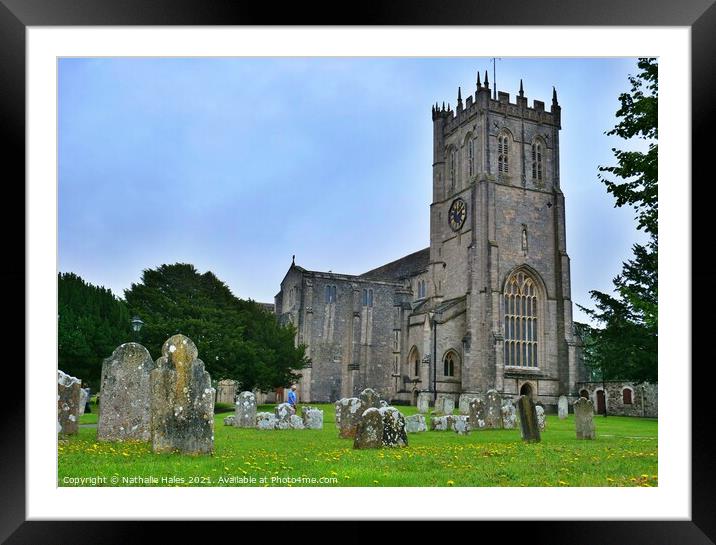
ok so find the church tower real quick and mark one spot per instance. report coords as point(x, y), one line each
point(498, 249)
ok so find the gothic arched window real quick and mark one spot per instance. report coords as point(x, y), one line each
point(520, 321)
point(470, 157)
point(449, 364)
point(330, 294)
point(503, 151)
point(453, 171)
point(537, 169)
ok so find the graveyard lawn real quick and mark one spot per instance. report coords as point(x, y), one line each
point(623, 454)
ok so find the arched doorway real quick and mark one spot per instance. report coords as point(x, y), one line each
point(601, 402)
point(527, 390)
point(584, 394)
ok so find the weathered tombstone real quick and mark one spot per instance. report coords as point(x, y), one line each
point(68, 403)
point(493, 410)
point(230, 420)
point(541, 423)
point(226, 391)
point(370, 398)
point(424, 402)
point(283, 412)
point(182, 400)
point(245, 410)
point(583, 418)
point(509, 414)
point(125, 394)
point(369, 430)
point(383, 403)
point(394, 434)
point(296, 422)
point(464, 402)
point(441, 423)
point(84, 398)
point(461, 424)
point(529, 429)
point(312, 418)
point(348, 413)
point(266, 421)
point(562, 407)
point(440, 405)
point(448, 405)
point(415, 423)
point(477, 414)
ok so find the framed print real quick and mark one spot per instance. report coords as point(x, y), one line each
point(52, 53)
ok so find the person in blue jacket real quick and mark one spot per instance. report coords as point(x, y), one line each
point(292, 398)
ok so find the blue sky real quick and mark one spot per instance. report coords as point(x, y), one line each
point(235, 164)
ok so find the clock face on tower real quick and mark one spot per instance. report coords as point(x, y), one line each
point(457, 214)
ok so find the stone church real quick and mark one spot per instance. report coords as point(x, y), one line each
point(487, 304)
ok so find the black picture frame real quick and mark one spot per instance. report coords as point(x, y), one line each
point(17, 15)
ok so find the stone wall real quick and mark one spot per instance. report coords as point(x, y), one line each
point(644, 397)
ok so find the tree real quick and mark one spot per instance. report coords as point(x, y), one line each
point(92, 322)
point(237, 339)
point(625, 347)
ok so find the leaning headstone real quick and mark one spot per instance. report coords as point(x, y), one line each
point(493, 410)
point(230, 420)
point(84, 397)
point(266, 421)
point(477, 414)
point(296, 422)
point(394, 434)
point(283, 412)
point(369, 430)
point(509, 414)
point(529, 429)
point(125, 395)
point(540, 417)
point(348, 413)
point(245, 410)
point(415, 423)
point(424, 402)
point(68, 403)
point(182, 400)
point(464, 402)
point(461, 424)
point(312, 418)
point(562, 407)
point(583, 418)
point(370, 398)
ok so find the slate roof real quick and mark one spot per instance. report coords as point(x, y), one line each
point(400, 268)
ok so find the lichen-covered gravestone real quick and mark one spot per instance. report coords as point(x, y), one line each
point(424, 402)
point(444, 405)
point(182, 400)
point(394, 434)
point(245, 410)
point(312, 418)
point(562, 407)
point(296, 422)
point(369, 430)
point(283, 412)
point(415, 423)
point(529, 428)
point(370, 398)
point(265, 421)
point(541, 422)
point(441, 423)
point(509, 414)
point(461, 424)
point(348, 413)
point(493, 410)
point(68, 403)
point(230, 420)
point(583, 418)
point(125, 395)
point(464, 402)
point(477, 414)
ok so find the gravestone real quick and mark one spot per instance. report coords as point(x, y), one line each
point(230, 420)
point(370, 398)
point(226, 391)
point(394, 434)
point(509, 414)
point(529, 429)
point(424, 402)
point(477, 414)
point(369, 430)
point(541, 422)
point(562, 407)
point(125, 395)
point(383, 403)
point(493, 410)
point(245, 410)
point(312, 418)
point(464, 402)
point(296, 422)
point(348, 413)
point(266, 421)
point(441, 423)
point(182, 400)
point(415, 423)
point(283, 412)
point(68, 403)
point(461, 424)
point(584, 418)
point(84, 398)
point(444, 405)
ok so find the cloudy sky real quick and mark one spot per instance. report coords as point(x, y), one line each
point(236, 164)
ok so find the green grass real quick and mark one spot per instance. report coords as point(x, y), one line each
point(624, 454)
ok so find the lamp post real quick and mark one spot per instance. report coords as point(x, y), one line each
point(137, 324)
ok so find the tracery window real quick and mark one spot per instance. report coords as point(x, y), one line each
point(537, 161)
point(520, 321)
point(449, 364)
point(503, 151)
